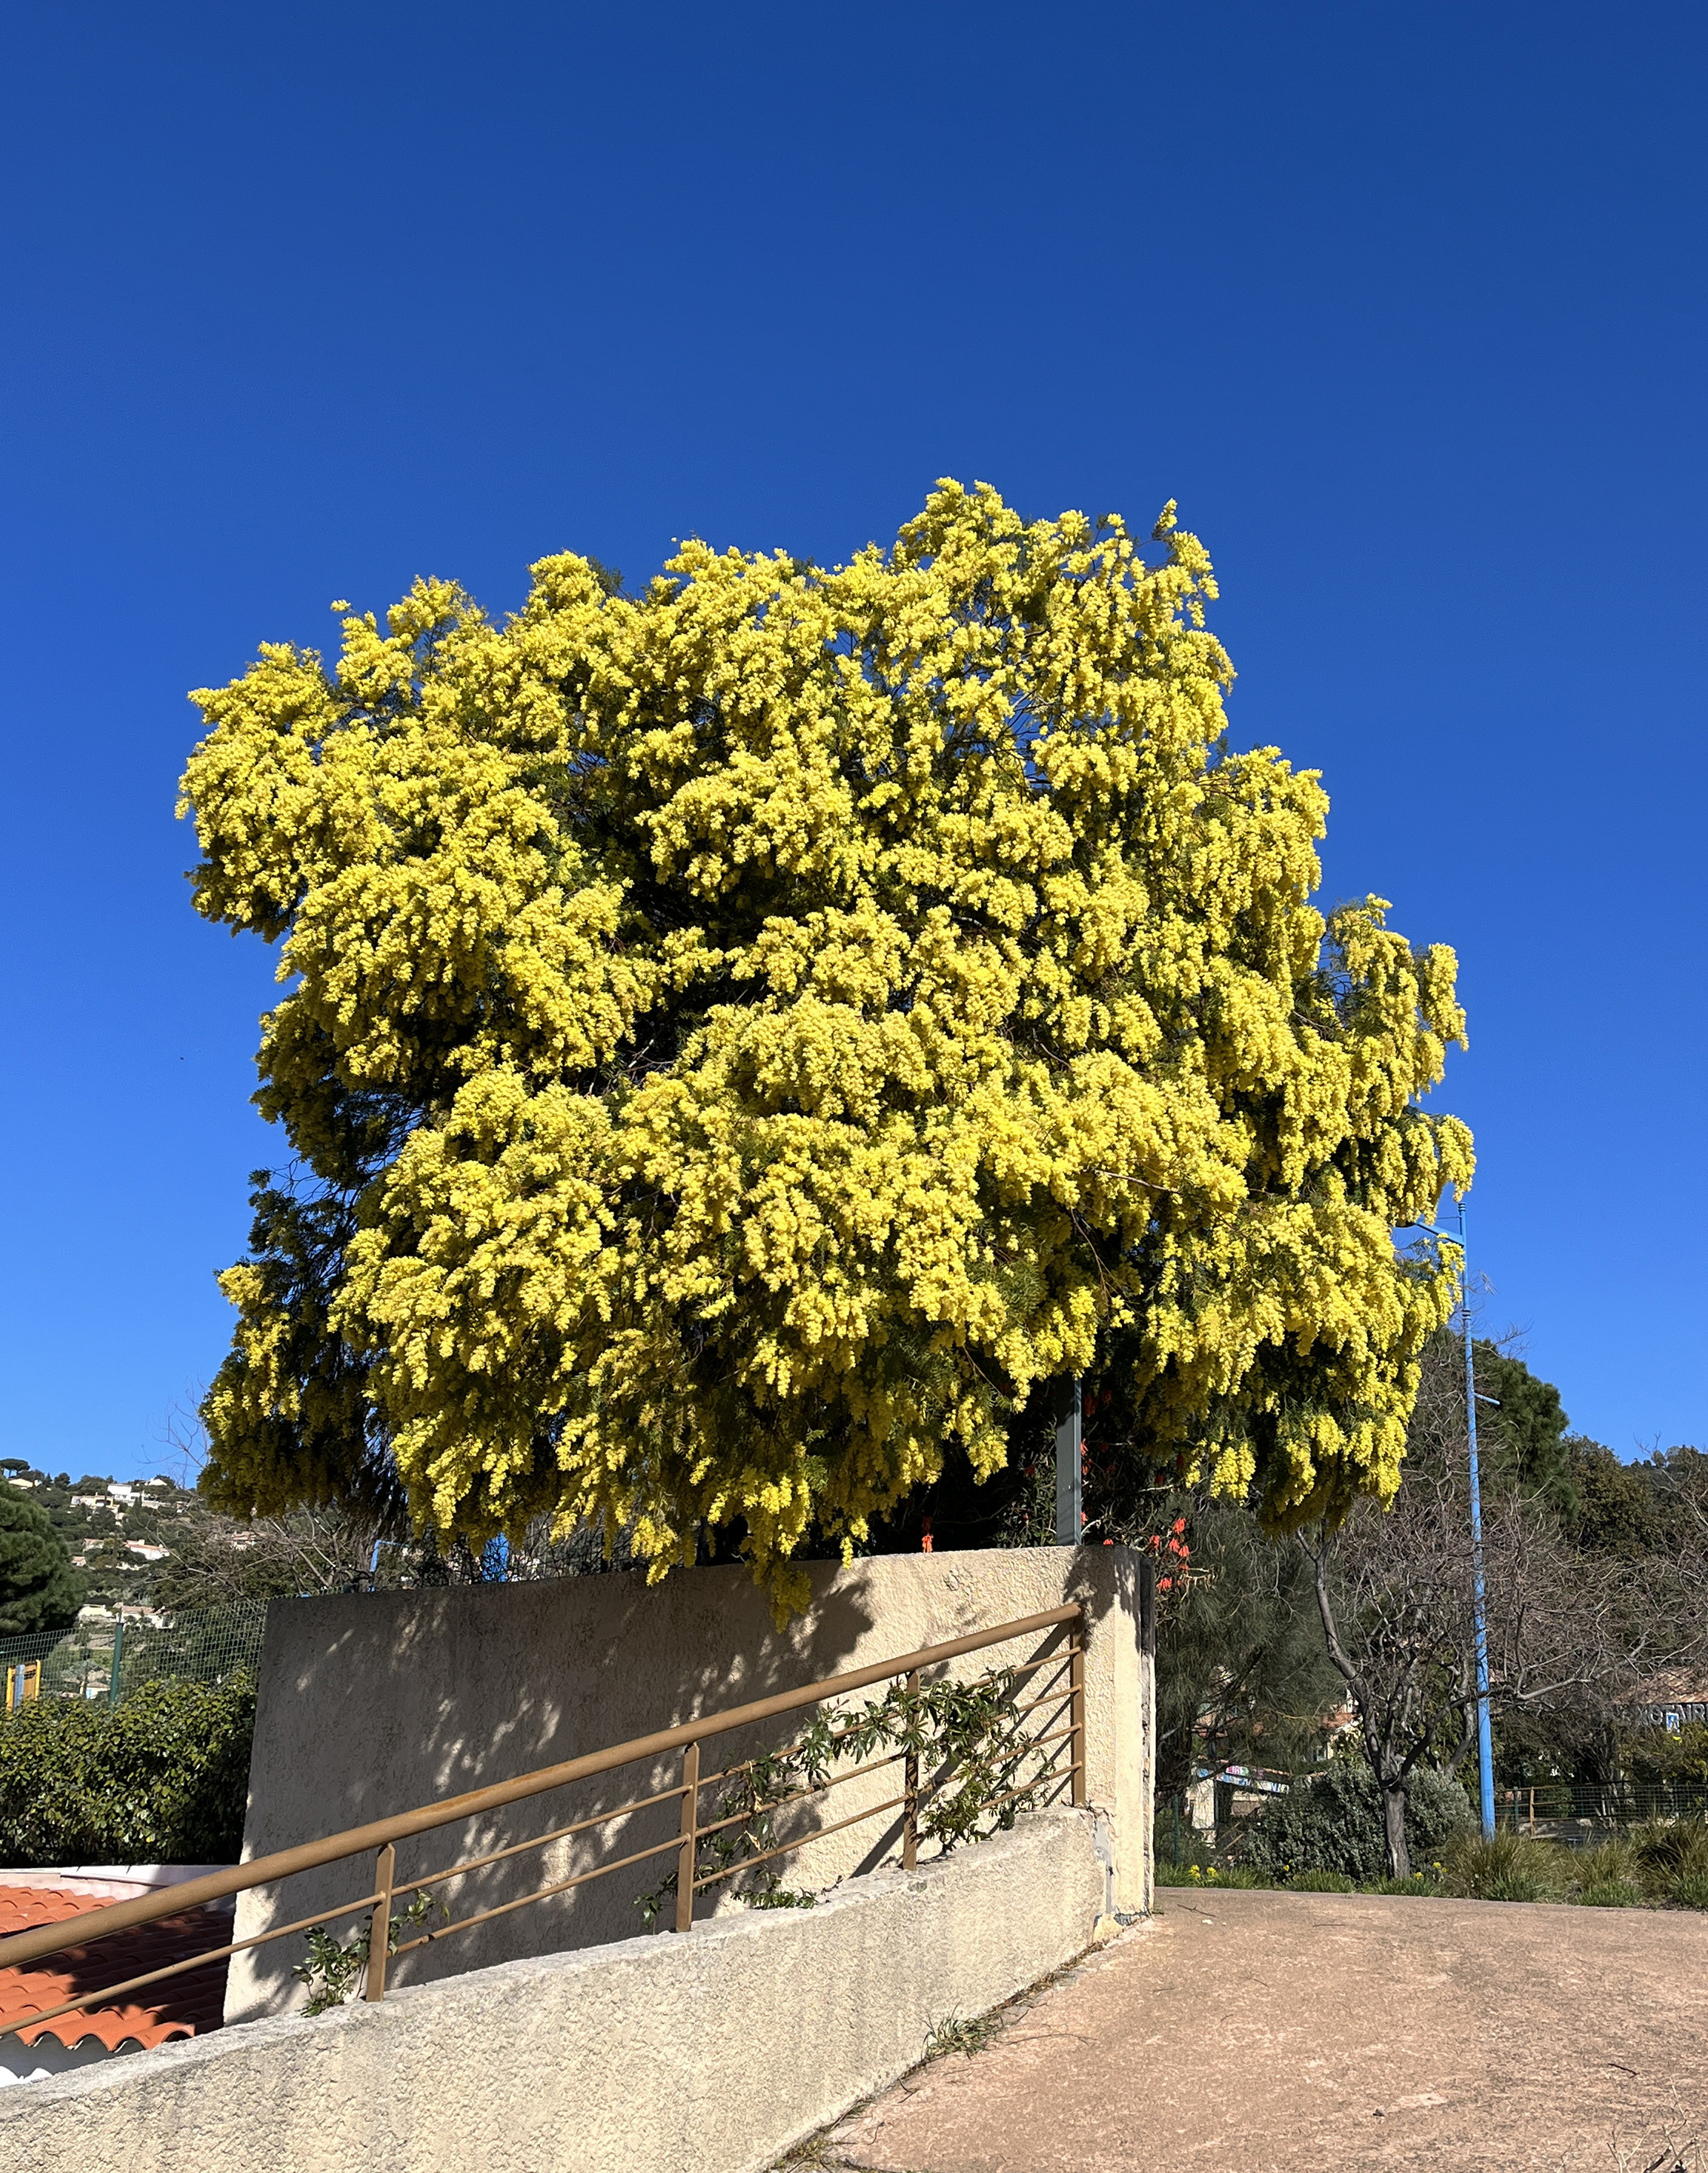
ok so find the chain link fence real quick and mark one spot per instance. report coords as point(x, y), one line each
point(1595, 1806)
point(108, 1659)
point(1580, 1812)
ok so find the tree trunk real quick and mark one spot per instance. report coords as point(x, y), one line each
point(1393, 1823)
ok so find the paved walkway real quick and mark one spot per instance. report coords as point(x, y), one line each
point(1294, 2033)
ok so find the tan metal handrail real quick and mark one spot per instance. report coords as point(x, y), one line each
point(382, 1834)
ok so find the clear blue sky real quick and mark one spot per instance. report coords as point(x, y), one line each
point(1403, 305)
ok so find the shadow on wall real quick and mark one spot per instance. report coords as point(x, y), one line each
point(373, 1704)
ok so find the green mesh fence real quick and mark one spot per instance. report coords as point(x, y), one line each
point(108, 1660)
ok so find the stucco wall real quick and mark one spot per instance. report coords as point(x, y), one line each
point(372, 1704)
point(707, 2054)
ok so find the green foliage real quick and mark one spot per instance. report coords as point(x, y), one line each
point(1616, 1513)
point(1242, 1676)
point(1333, 1822)
point(93, 1525)
point(1608, 1893)
point(1525, 1426)
point(966, 1731)
point(1329, 1882)
point(1611, 1862)
point(1672, 1861)
point(1212, 1877)
point(1657, 1755)
point(162, 1778)
point(1608, 1875)
point(333, 1966)
point(1508, 1867)
point(39, 1589)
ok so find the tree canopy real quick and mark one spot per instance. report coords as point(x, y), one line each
point(1525, 1426)
point(740, 1040)
point(39, 1589)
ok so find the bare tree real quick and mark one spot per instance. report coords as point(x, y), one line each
point(215, 1558)
point(1394, 1594)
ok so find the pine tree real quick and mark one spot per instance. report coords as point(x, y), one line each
point(39, 1589)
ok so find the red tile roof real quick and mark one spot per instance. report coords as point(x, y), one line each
point(188, 2005)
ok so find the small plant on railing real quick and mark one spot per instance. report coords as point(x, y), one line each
point(333, 1966)
point(966, 1731)
point(770, 1781)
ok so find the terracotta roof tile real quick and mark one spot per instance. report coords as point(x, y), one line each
point(186, 2006)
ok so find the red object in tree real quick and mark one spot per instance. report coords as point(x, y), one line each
point(925, 1538)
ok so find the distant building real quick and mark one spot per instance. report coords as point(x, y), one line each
point(1672, 1702)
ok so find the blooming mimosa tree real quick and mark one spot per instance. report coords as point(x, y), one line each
point(741, 1039)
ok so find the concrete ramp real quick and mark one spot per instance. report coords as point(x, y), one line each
point(711, 2053)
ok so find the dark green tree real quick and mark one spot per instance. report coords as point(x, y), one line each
point(39, 1589)
point(1524, 1424)
point(1616, 1512)
point(1242, 1676)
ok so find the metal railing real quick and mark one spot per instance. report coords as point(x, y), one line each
point(382, 1835)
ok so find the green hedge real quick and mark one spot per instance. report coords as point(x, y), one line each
point(162, 1778)
point(1333, 1822)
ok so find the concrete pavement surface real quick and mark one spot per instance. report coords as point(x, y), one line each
point(1290, 2033)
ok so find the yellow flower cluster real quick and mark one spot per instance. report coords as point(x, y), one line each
point(746, 1036)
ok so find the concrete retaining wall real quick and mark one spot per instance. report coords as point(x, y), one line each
point(372, 1704)
point(711, 2053)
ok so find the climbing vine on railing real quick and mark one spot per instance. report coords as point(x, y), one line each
point(333, 1966)
point(970, 1747)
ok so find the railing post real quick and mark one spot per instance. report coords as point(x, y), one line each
point(685, 1860)
point(1077, 1683)
point(910, 1780)
point(379, 1927)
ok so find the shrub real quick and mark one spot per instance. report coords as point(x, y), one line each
point(1325, 1882)
point(1187, 1846)
point(162, 1778)
point(1672, 1860)
point(1509, 1867)
point(1609, 1863)
point(1609, 1894)
point(1333, 1822)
